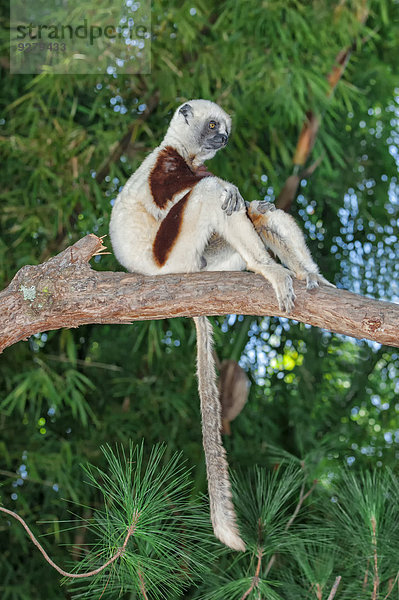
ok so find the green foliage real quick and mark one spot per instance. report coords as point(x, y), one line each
point(300, 539)
point(325, 401)
point(41, 384)
point(304, 541)
point(171, 540)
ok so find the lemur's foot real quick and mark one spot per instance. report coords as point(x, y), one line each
point(233, 201)
point(281, 280)
point(313, 280)
point(264, 207)
point(260, 207)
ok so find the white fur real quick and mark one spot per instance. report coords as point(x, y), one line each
point(136, 218)
point(214, 235)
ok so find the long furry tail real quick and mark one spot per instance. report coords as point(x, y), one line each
point(222, 510)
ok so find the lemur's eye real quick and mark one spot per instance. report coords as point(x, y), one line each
point(212, 124)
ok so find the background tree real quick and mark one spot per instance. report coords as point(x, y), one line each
point(69, 144)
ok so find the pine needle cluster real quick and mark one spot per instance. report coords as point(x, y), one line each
point(304, 539)
point(170, 545)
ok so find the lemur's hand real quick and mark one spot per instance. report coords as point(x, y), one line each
point(233, 201)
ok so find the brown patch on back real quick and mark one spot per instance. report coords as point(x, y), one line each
point(171, 175)
point(202, 171)
point(168, 231)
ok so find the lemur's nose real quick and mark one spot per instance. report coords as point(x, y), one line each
point(221, 138)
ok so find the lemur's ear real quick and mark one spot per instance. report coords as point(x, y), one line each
point(187, 112)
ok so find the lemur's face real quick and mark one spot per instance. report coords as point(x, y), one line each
point(202, 127)
point(215, 133)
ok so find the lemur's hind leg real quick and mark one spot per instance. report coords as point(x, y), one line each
point(280, 233)
point(201, 213)
point(220, 256)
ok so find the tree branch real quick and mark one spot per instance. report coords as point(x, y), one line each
point(66, 292)
point(113, 558)
point(334, 588)
point(255, 578)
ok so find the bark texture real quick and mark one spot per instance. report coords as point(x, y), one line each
point(66, 292)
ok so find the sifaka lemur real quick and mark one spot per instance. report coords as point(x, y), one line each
point(174, 216)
